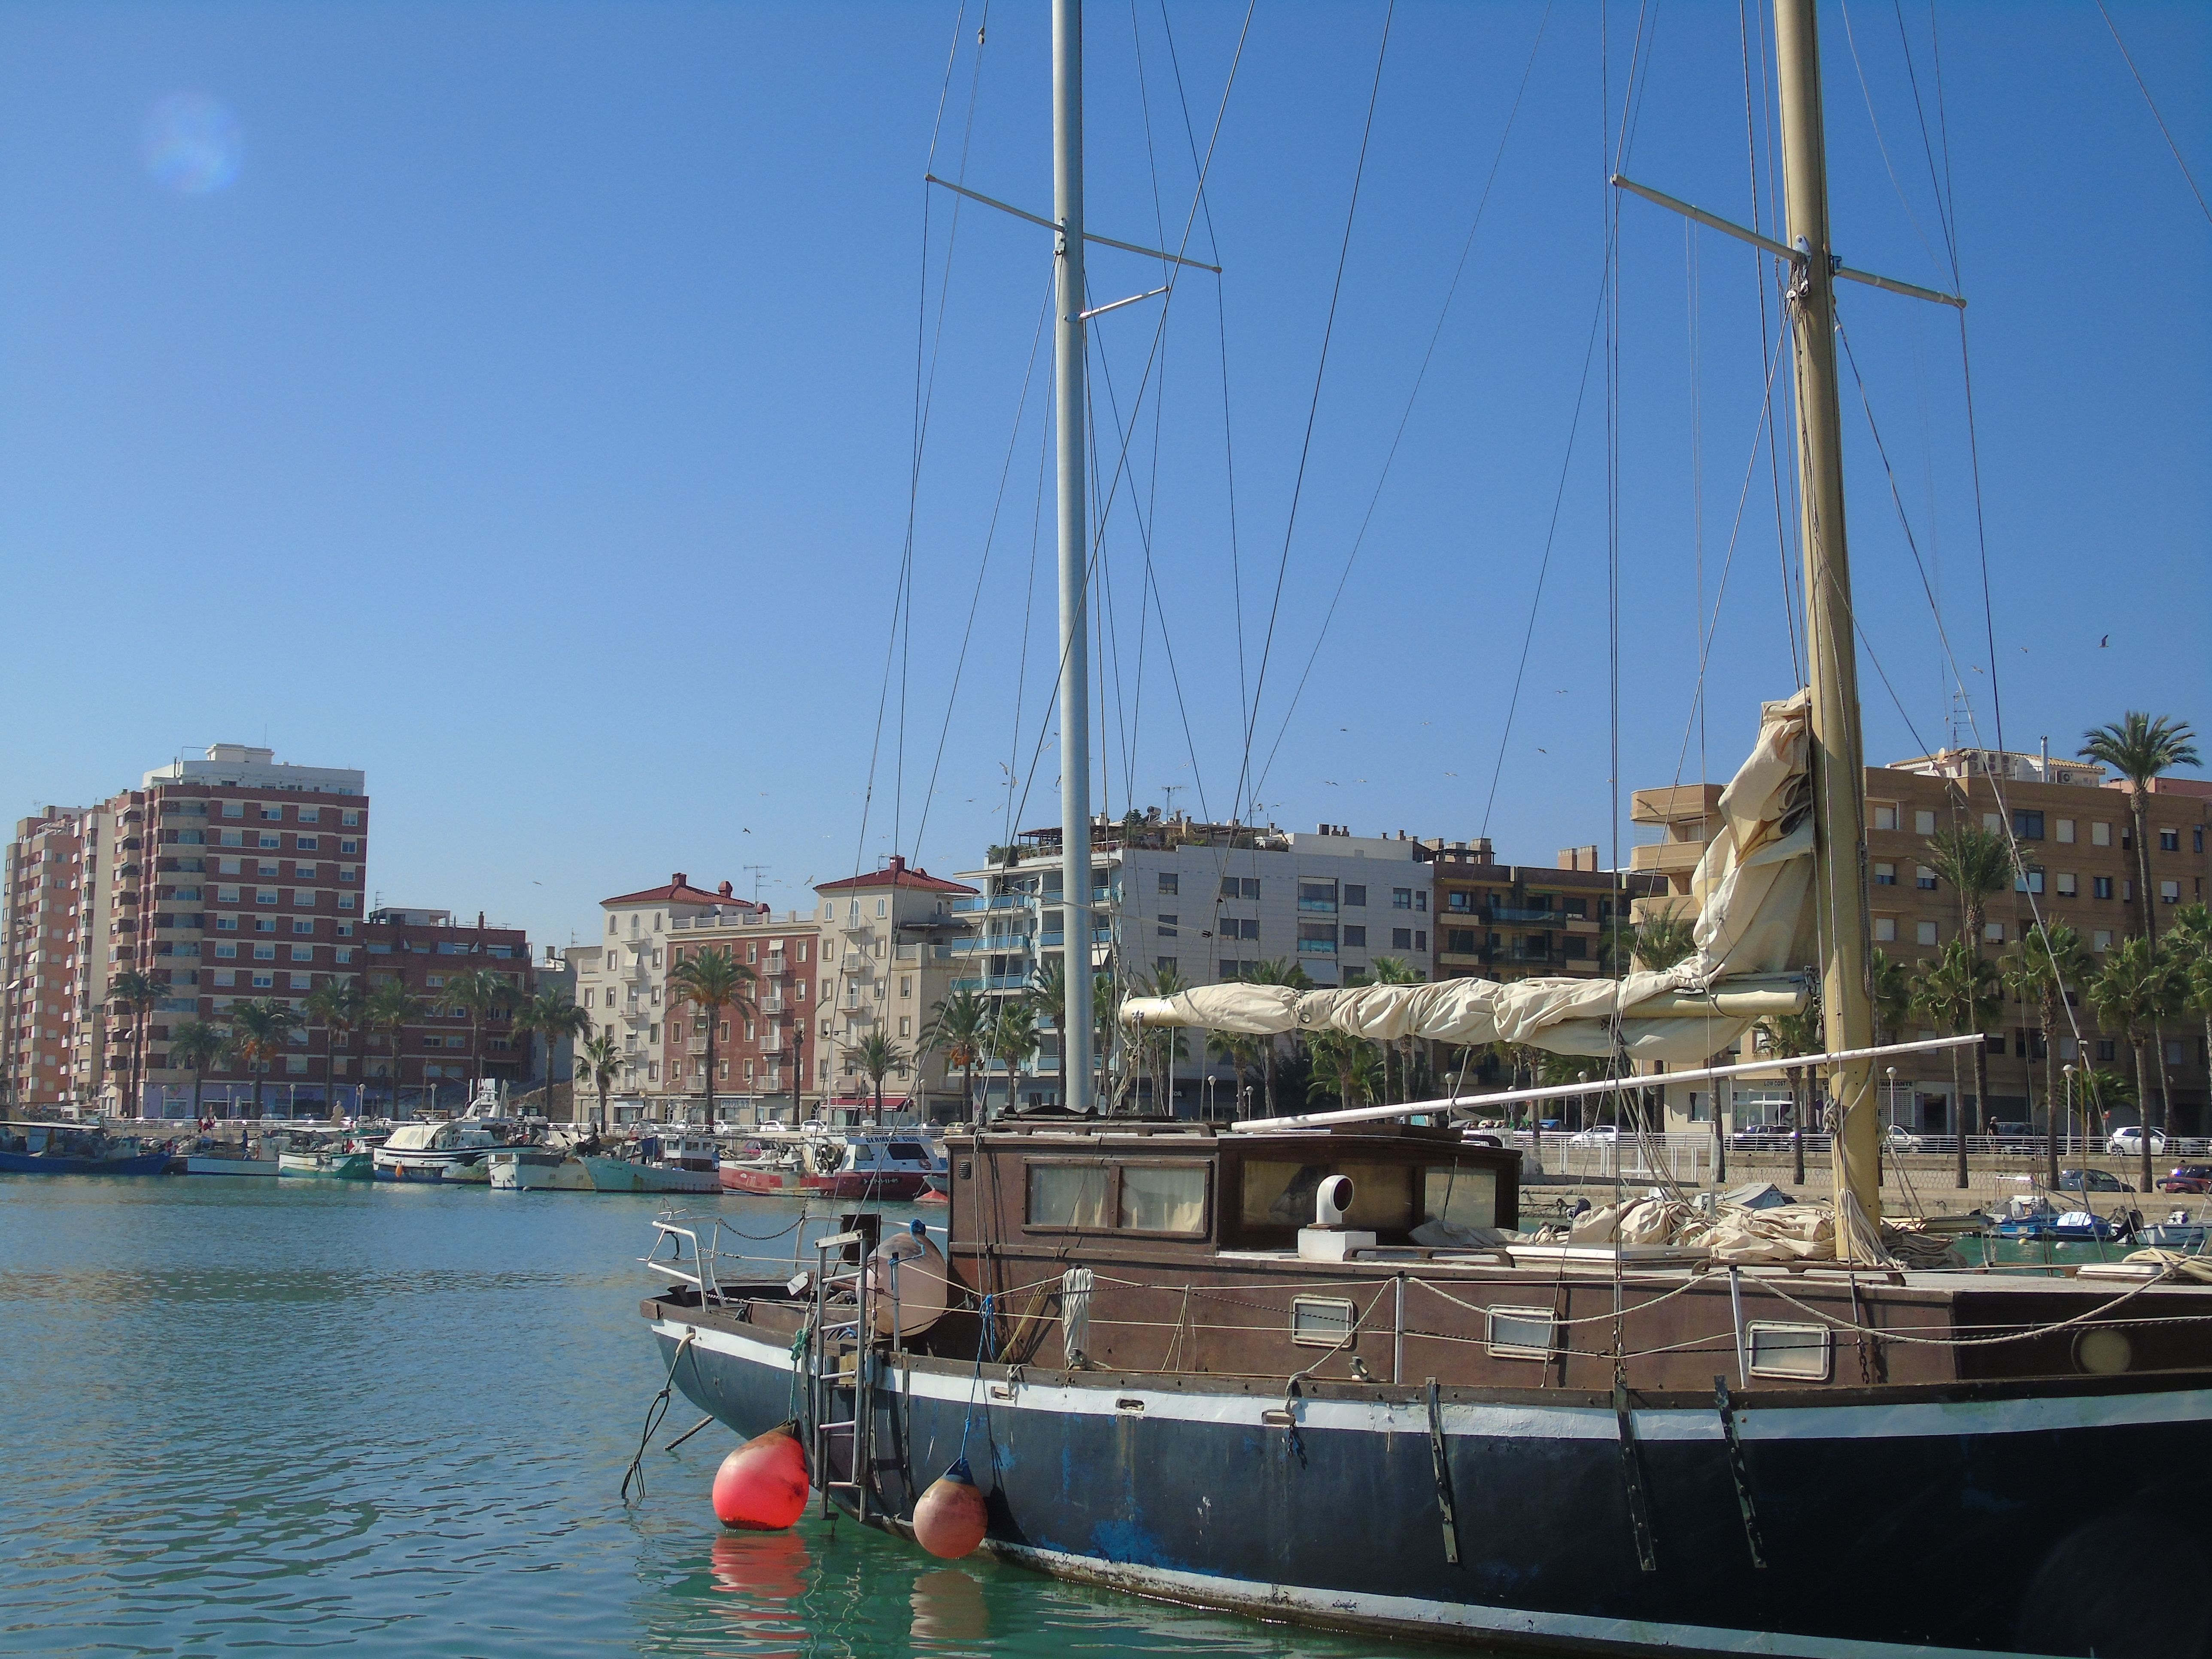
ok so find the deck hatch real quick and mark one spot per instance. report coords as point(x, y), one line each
point(1803, 1353)
point(1520, 1332)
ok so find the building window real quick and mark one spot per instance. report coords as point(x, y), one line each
point(1170, 883)
point(2063, 832)
point(2028, 880)
point(2028, 826)
point(1923, 823)
point(223, 948)
point(2101, 940)
point(1923, 932)
point(1885, 875)
point(1401, 938)
point(267, 843)
point(350, 846)
point(1167, 925)
point(2101, 887)
point(2169, 892)
point(1885, 818)
point(264, 924)
point(2169, 841)
point(1402, 898)
point(233, 809)
point(1993, 931)
point(303, 953)
point(1355, 936)
point(1923, 877)
point(2101, 834)
point(2105, 1049)
point(265, 981)
point(349, 818)
point(226, 976)
point(1994, 823)
point(1885, 930)
point(344, 954)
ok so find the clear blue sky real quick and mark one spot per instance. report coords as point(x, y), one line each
point(516, 400)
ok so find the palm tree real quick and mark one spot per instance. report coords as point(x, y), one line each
point(2101, 1090)
point(1657, 942)
point(1958, 992)
point(391, 1008)
point(1012, 1040)
point(2140, 747)
point(480, 993)
point(1164, 1046)
point(959, 1026)
point(1978, 864)
point(552, 1013)
point(600, 1063)
point(710, 981)
point(339, 1006)
point(1396, 970)
point(1347, 1067)
point(135, 993)
point(1242, 1051)
point(2133, 989)
point(1889, 986)
point(260, 1031)
point(196, 1045)
point(1275, 972)
point(876, 1055)
point(2050, 960)
point(1046, 994)
point(1787, 1037)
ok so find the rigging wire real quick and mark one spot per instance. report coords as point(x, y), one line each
point(1405, 416)
point(1881, 144)
point(1313, 407)
point(2152, 104)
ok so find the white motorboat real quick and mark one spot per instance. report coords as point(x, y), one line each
point(659, 1164)
point(456, 1151)
point(537, 1170)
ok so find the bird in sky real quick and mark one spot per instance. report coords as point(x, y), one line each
point(2102, 643)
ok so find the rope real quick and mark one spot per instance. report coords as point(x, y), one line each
point(2153, 105)
point(654, 1415)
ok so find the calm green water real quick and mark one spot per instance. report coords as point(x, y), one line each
point(301, 1415)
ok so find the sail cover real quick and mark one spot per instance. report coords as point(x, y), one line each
point(1750, 890)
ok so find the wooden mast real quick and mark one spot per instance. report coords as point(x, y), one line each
point(1832, 656)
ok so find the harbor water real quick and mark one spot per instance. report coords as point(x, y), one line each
point(301, 1414)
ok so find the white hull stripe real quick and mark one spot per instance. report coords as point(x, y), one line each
point(1413, 1614)
point(1880, 1422)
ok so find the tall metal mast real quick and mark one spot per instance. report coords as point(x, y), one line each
point(1839, 756)
point(1068, 357)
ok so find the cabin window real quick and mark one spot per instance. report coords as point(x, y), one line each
point(1520, 1333)
point(1067, 1194)
point(1801, 1353)
point(1461, 1195)
point(1322, 1322)
point(1281, 1194)
point(1165, 1197)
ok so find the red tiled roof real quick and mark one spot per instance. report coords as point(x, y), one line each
point(680, 890)
point(894, 874)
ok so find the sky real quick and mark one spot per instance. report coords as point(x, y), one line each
point(520, 402)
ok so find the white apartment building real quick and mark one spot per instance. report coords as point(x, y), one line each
point(622, 982)
point(1208, 902)
point(887, 961)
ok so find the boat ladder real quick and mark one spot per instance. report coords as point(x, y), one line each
point(842, 1332)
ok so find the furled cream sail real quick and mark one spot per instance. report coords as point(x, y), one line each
point(1754, 927)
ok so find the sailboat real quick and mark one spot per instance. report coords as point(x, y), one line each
point(1311, 1368)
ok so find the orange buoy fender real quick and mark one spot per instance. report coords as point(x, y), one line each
point(762, 1487)
point(950, 1519)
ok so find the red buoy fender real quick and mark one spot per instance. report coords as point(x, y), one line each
point(951, 1518)
point(762, 1487)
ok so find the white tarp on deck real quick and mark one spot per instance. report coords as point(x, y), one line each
point(1750, 890)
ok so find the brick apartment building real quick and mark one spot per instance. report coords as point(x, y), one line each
point(764, 1050)
point(49, 1019)
point(432, 1065)
point(1508, 922)
point(2073, 834)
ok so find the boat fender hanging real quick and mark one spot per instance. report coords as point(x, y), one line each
point(762, 1487)
point(951, 1518)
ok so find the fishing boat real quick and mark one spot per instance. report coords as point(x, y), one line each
point(69, 1149)
point(881, 1165)
point(659, 1164)
point(454, 1151)
point(537, 1170)
point(327, 1155)
point(1312, 1366)
point(208, 1155)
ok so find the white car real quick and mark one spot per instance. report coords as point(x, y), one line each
point(1899, 1138)
point(2130, 1141)
point(1598, 1134)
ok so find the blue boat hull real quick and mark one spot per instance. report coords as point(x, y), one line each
point(1886, 1526)
point(144, 1163)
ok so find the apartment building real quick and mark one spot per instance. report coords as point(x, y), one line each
point(49, 987)
point(2074, 836)
point(1508, 922)
point(887, 963)
point(621, 980)
point(1207, 902)
point(222, 876)
point(433, 1064)
point(764, 1052)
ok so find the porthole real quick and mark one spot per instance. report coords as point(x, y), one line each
point(2103, 1351)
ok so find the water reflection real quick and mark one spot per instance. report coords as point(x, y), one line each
point(950, 1612)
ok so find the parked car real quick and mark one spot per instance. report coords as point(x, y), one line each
point(2188, 1178)
point(1899, 1138)
point(2091, 1180)
point(1598, 1134)
point(1761, 1136)
point(2129, 1142)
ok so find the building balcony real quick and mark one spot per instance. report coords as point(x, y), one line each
point(1667, 858)
point(993, 902)
point(1318, 907)
point(991, 983)
point(858, 964)
point(1316, 947)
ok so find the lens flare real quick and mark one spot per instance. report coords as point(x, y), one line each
point(192, 143)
